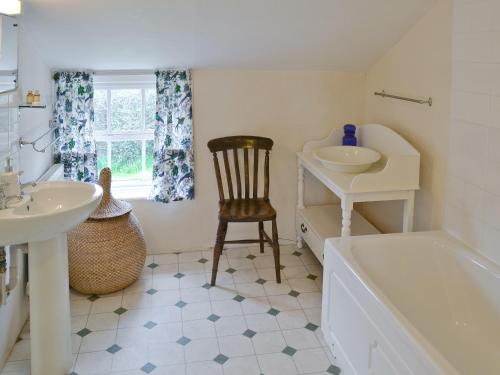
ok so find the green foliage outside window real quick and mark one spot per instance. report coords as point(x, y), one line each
point(125, 115)
point(126, 160)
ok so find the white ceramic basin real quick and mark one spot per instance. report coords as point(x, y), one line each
point(42, 219)
point(50, 209)
point(347, 159)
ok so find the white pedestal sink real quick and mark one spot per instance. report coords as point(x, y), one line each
point(43, 219)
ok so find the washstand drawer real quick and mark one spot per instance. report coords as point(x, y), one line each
point(310, 236)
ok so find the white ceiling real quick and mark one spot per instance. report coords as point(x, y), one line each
point(261, 34)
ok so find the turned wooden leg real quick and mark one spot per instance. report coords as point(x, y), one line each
point(347, 206)
point(409, 208)
point(276, 252)
point(261, 236)
point(219, 245)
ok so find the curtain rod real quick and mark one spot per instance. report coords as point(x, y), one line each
point(106, 72)
point(123, 72)
point(116, 72)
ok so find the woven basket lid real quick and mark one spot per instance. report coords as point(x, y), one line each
point(109, 206)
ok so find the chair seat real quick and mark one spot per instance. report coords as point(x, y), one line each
point(246, 210)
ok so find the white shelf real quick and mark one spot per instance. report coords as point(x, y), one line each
point(32, 106)
point(317, 223)
point(327, 221)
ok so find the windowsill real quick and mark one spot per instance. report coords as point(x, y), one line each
point(131, 190)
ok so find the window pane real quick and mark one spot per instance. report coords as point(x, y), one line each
point(100, 109)
point(126, 160)
point(126, 110)
point(102, 155)
point(149, 159)
point(150, 108)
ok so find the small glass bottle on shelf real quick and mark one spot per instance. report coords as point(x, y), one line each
point(36, 98)
point(29, 98)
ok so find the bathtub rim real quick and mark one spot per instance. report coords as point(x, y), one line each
point(341, 248)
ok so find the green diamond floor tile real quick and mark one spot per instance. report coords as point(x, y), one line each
point(289, 351)
point(183, 341)
point(311, 327)
point(150, 325)
point(84, 332)
point(213, 318)
point(239, 298)
point(273, 312)
point(221, 359)
point(148, 368)
point(120, 311)
point(249, 333)
point(334, 370)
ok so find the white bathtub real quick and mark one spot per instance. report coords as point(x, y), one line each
point(416, 303)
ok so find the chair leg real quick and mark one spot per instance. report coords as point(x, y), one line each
point(219, 245)
point(276, 252)
point(261, 236)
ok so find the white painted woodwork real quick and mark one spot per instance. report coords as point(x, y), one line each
point(317, 223)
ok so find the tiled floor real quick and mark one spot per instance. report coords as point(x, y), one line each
point(172, 322)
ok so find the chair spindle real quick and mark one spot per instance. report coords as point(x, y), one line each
point(219, 178)
point(255, 171)
point(266, 176)
point(228, 175)
point(247, 174)
point(237, 171)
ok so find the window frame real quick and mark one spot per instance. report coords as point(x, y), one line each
point(127, 188)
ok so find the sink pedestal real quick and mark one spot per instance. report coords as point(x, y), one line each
point(50, 319)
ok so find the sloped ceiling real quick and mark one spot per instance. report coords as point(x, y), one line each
point(257, 34)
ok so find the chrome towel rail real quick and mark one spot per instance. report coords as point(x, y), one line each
point(383, 94)
point(34, 142)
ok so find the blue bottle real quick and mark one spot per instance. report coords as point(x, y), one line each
point(349, 135)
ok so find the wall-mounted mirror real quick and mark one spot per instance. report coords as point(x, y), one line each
point(8, 53)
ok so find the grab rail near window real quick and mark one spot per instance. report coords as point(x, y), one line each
point(34, 143)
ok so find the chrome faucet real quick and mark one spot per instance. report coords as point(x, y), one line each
point(27, 184)
point(6, 186)
point(5, 199)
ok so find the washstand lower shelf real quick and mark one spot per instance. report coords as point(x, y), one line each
point(317, 223)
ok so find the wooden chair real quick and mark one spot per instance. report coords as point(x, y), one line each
point(246, 206)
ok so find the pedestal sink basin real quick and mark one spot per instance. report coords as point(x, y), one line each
point(347, 159)
point(50, 209)
point(42, 219)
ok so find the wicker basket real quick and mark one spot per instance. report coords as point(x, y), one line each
point(106, 252)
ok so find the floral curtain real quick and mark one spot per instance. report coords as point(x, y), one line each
point(173, 176)
point(74, 118)
point(3, 260)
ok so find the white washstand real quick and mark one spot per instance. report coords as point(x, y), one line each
point(42, 219)
point(394, 177)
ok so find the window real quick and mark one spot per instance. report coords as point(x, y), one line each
point(124, 119)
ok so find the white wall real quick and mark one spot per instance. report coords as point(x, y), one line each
point(9, 124)
point(290, 107)
point(33, 74)
point(473, 193)
point(418, 65)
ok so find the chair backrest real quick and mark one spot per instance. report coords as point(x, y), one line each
point(232, 145)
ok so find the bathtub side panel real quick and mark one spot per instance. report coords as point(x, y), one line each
point(365, 337)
